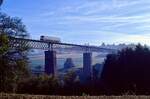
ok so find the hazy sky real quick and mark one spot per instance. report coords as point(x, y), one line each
point(83, 21)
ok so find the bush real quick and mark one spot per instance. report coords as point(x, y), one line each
point(39, 85)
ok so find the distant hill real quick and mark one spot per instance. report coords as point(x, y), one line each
point(118, 47)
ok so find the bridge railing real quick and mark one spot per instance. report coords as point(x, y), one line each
point(38, 44)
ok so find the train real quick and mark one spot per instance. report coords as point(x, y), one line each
point(50, 39)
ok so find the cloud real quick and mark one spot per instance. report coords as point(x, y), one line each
point(130, 19)
point(88, 20)
point(127, 3)
point(97, 37)
point(143, 39)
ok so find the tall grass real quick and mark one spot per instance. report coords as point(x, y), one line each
point(25, 96)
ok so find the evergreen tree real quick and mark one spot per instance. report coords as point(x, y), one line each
point(128, 70)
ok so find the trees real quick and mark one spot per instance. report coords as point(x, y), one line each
point(71, 85)
point(13, 63)
point(43, 84)
point(128, 70)
point(12, 26)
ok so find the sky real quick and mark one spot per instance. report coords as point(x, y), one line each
point(85, 21)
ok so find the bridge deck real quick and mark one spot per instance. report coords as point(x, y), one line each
point(44, 45)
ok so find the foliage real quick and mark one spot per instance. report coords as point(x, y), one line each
point(70, 78)
point(12, 26)
point(3, 44)
point(11, 70)
point(128, 70)
point(13, 62)
point(43, 84)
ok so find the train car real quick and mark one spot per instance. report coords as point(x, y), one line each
point(50, 39)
